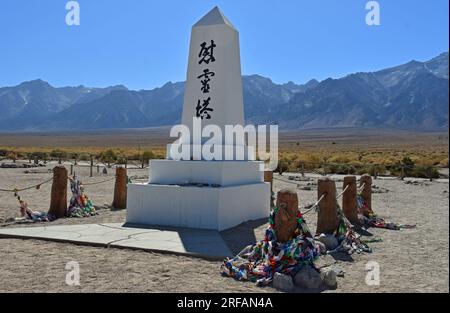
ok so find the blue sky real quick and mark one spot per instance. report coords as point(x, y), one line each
point(144, 43)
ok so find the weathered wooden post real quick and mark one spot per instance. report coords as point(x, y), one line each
point(58, 202)
point(402, 177)
point(36, 160)
point(120, 189)
point(429, 171)
point(92, 164)
point(286, 217)
point(327, 218)
point(366, 192)
point(98, 169)
point(268, 178)
point(71, 169)
point(349, 202)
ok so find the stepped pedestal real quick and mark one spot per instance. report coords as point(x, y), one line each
point(200, 194)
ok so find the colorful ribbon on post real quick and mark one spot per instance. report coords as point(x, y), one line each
point(260, 262)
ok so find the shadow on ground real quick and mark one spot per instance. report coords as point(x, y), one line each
point(238, 237)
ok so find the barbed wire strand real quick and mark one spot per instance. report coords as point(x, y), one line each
point(26, 188)
point(315, 205)
point(343, 191)
point(361, 188)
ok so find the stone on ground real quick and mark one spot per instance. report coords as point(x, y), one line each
point(283, 282)
point(329, 241)
point(328, 278)
point(308, 278)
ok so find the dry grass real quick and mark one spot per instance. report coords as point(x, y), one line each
point(358, 148)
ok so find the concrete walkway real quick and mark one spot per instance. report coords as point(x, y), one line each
point(183, 241)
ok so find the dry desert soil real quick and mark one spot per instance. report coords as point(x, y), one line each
point(411, 260)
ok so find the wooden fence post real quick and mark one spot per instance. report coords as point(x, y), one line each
point(92, 164)
point(268, 178)
point(327, 218)
point(303, 169)
point(58, 202)
point(286, 217)
point(120, 189)
point(366, 192)
point(349, 202)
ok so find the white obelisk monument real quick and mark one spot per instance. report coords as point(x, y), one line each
point(195, 191)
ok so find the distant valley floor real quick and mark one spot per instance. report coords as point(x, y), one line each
point(159, 137)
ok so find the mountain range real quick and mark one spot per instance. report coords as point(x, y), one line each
point(414, 95)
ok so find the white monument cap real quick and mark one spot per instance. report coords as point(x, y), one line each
point(214, 17)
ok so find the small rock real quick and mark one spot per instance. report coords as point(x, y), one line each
point(329, 241)
point(328, 278)
point(308, 278)
point(283, 282)
point(325, 260)
point(9, 165)
point(339, 272)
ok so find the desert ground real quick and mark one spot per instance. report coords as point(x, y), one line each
point(411, 260)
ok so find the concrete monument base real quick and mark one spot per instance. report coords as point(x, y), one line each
point(215, 208)
point(220, 173)
point(200, 194)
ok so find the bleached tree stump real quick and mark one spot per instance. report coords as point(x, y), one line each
point(120, 189)
point(349, 202)
point(58, 202)
point(327, 219)
point(366, 192)
point(286, 217)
